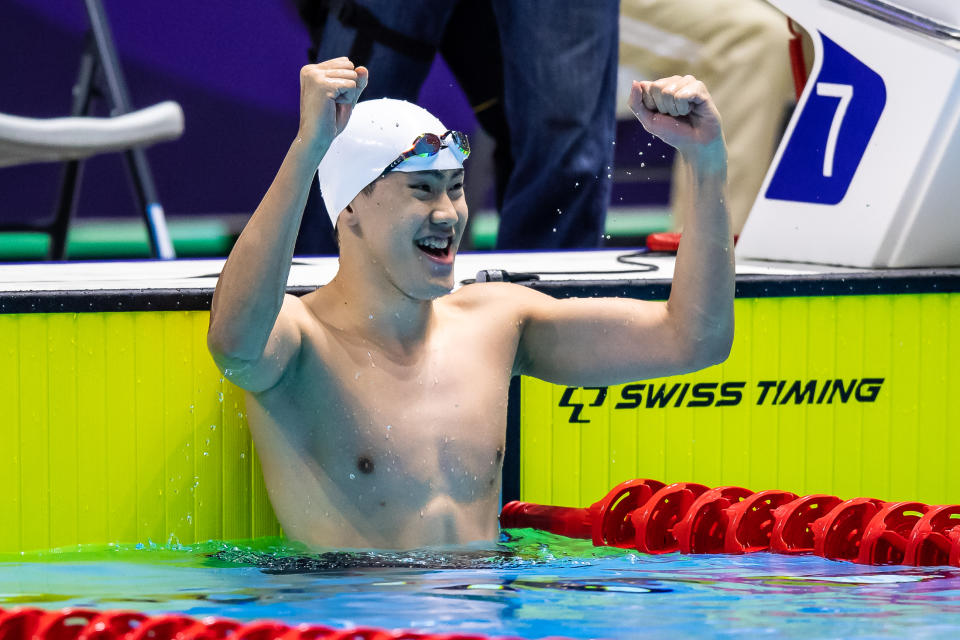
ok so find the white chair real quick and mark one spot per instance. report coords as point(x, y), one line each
point(69, 140)
point(28, 140)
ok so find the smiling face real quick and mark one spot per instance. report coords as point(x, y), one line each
point(410, 228)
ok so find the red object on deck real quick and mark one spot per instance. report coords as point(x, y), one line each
point(669, 241)
point(751, 521)
point(605, 521)
point(704, 527)
point(666, 241)
point(792, 529)
point(885, 538)
point(797, 63)
point(934, 536)
point(654, 521)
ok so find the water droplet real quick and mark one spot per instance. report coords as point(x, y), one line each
point(421, 513)
point(220, 396)
point(370, 317)
point(213, 427)
point(353, 476)
point(206, 453)
point(643, 164)
point(554, 229)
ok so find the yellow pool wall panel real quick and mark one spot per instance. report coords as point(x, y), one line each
point(118, 428)
point(902, 444)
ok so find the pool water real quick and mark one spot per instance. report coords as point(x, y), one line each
point(531, 585)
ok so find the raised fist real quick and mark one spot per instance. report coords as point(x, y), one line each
point(328, 92)
point(680, 111)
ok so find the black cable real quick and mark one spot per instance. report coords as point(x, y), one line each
point(501, 275)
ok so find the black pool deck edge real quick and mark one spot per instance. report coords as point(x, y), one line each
point(880, 282)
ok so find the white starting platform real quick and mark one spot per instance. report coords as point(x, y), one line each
point(866, 174)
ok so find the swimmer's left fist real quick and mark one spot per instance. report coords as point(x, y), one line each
point(680, 111)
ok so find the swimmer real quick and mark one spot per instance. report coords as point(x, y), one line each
point(378, 402)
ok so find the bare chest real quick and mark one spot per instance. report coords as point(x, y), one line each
point(379, 425)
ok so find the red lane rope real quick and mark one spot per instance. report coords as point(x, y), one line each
point(692, 518)
point(87, 624)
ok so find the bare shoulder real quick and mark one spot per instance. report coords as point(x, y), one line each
point(495, 297)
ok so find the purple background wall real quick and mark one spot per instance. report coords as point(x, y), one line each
point(232, 66)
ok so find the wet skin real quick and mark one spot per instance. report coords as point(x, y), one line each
point(367, 447)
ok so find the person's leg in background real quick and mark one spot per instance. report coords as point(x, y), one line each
point(396, 41)
point(560, 71)
point(738, 48)
point(471, 48)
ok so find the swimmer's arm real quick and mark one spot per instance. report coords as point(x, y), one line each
point(253, 333)
point(595, 342)
point(254, 328)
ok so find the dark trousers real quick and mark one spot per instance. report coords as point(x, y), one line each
point(546, 71)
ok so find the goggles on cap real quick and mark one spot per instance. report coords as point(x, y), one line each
point(430, 144)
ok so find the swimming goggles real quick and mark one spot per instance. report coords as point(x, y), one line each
point(430, 144)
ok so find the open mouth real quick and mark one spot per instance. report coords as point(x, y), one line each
point(436, 247)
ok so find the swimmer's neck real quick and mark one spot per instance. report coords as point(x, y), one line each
point(379, 311)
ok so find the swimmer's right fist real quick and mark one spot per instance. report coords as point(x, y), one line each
point(328, 92)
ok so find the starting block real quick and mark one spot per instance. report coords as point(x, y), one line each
point(865, 175)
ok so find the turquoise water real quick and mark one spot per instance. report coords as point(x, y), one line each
point(533, 585)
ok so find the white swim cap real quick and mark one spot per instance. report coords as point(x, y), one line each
point(377, 133)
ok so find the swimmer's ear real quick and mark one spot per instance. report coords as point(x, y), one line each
point(349, 216)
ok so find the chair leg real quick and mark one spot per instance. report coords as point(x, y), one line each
point(66, 204)
point(67, 196)
point(145, 192)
